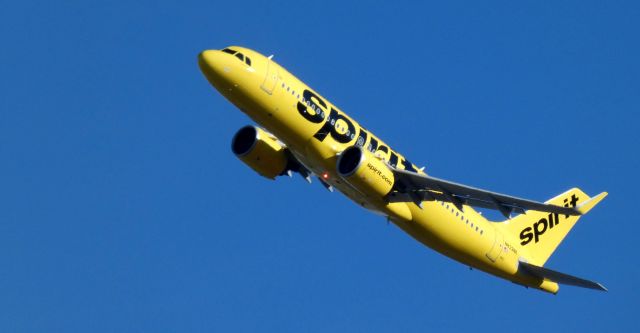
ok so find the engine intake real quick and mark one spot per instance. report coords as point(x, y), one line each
point(261, 151)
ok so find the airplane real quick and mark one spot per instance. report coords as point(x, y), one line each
point(302, 132)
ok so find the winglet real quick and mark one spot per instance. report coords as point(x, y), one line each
point(586, 206)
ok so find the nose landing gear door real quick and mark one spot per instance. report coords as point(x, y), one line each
point(271, 79)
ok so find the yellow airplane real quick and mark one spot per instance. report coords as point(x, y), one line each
point(304, 133)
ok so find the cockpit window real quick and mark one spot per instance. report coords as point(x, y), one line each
point(238, 55)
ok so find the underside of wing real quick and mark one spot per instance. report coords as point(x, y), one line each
point(414, 187)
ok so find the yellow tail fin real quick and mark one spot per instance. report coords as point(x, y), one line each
point(540, 233)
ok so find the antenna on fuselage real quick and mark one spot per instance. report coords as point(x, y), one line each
point(269, 57)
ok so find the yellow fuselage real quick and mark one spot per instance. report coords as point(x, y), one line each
point(316, 131)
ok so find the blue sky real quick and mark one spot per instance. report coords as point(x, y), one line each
point(123, 209)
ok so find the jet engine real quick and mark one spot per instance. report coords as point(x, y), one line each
point(366, 172)
point(371, 176)
point(261, 151)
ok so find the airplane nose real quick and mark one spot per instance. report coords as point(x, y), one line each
point(206, 58)
point(211, 64)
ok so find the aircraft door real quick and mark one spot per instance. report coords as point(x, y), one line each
point(496, 249)
point(271, 78)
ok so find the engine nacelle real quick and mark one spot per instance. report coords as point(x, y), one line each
point(366, 172)
point(261, 151)
point(372, 177)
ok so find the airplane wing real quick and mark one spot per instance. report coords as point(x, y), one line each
point(414, 187)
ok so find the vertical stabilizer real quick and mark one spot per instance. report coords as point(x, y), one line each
point(540, 233)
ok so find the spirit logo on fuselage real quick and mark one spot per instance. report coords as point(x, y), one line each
point(343, 130)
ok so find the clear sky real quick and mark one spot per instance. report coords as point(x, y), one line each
point(122, 208)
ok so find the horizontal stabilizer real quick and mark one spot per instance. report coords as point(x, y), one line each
point(561, 278)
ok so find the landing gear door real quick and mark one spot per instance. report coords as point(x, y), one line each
point(271, 79)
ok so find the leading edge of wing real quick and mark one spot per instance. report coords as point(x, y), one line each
point(462, 194)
